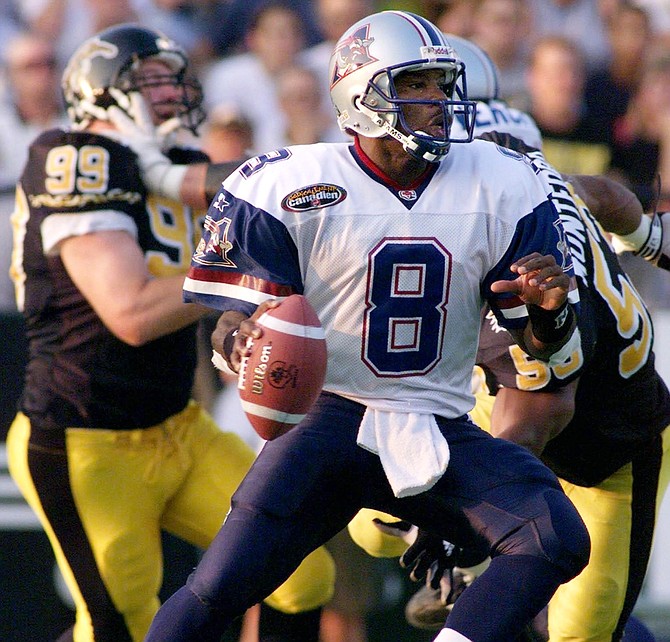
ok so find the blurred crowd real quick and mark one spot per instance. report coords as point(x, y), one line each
point(594, 75)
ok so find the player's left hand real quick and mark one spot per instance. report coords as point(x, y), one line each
point(136, 124)
point(135, 129)
point(429, 557)
point(541, 281)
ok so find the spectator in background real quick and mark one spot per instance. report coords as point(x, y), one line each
point(455, 16)
point(573, 139)
point(640, 154)
point(641, 146)
point(248, 80)
point(188, 22)
point(227, 135)
point(579, 20)
point(32, 101)
point(501, 29)
point(334, 18)
point(235, 17)
point(659, 14)
point(608, 90)
point(67, 23)
point(301, 102)
point(10, 25)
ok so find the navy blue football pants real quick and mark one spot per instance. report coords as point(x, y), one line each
point(305, 486)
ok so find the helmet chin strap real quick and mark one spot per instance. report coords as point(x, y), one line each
point(432, 152)
point(416, 147)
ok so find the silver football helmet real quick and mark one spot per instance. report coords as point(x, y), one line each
point(110, 61)
point(364, 63)
point(481, 71)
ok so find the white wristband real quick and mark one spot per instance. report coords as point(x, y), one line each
point(573, 344)
point(651, 248)
point(221, 364)
point(635, 240)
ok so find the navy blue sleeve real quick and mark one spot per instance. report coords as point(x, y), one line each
point(245, 256)
point(540, 231)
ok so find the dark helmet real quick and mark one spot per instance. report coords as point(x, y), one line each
point(110, 60)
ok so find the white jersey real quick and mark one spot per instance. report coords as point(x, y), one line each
point(496, 115)
point(397, 276)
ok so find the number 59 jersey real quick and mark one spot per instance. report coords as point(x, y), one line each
point(397, 275)
point(621, 401)
point(75, 183)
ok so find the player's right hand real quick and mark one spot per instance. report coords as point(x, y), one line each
point(541, 281)
point(248, 329)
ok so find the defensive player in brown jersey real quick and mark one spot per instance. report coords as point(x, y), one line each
point(108, 447)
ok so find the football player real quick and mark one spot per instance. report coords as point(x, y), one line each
point(601, 420)
point(396, 240)
point(108, 447)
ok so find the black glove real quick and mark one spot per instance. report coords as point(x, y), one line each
point(429, 557)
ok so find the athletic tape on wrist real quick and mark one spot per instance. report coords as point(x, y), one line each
point(650, 250)
point(221, 364)
point(169, 183)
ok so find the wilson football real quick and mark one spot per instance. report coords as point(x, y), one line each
point(282, 377)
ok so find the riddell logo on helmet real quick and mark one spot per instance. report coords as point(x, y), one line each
point(433, 51)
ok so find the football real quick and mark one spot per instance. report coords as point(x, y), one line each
point(283, 375)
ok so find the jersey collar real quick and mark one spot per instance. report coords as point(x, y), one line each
point(407, 195)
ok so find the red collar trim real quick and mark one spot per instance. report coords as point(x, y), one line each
point(365, 159)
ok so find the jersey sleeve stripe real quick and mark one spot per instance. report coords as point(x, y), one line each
point(224, 290)
point(222, 278)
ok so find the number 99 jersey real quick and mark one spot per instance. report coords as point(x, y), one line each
point(621, 401)
point(73, 183)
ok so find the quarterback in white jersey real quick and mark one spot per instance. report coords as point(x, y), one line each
point(407, 268)
point(396, 240)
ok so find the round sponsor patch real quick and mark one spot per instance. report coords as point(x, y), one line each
point(313, 197)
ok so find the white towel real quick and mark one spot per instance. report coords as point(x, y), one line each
point(411, 447)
